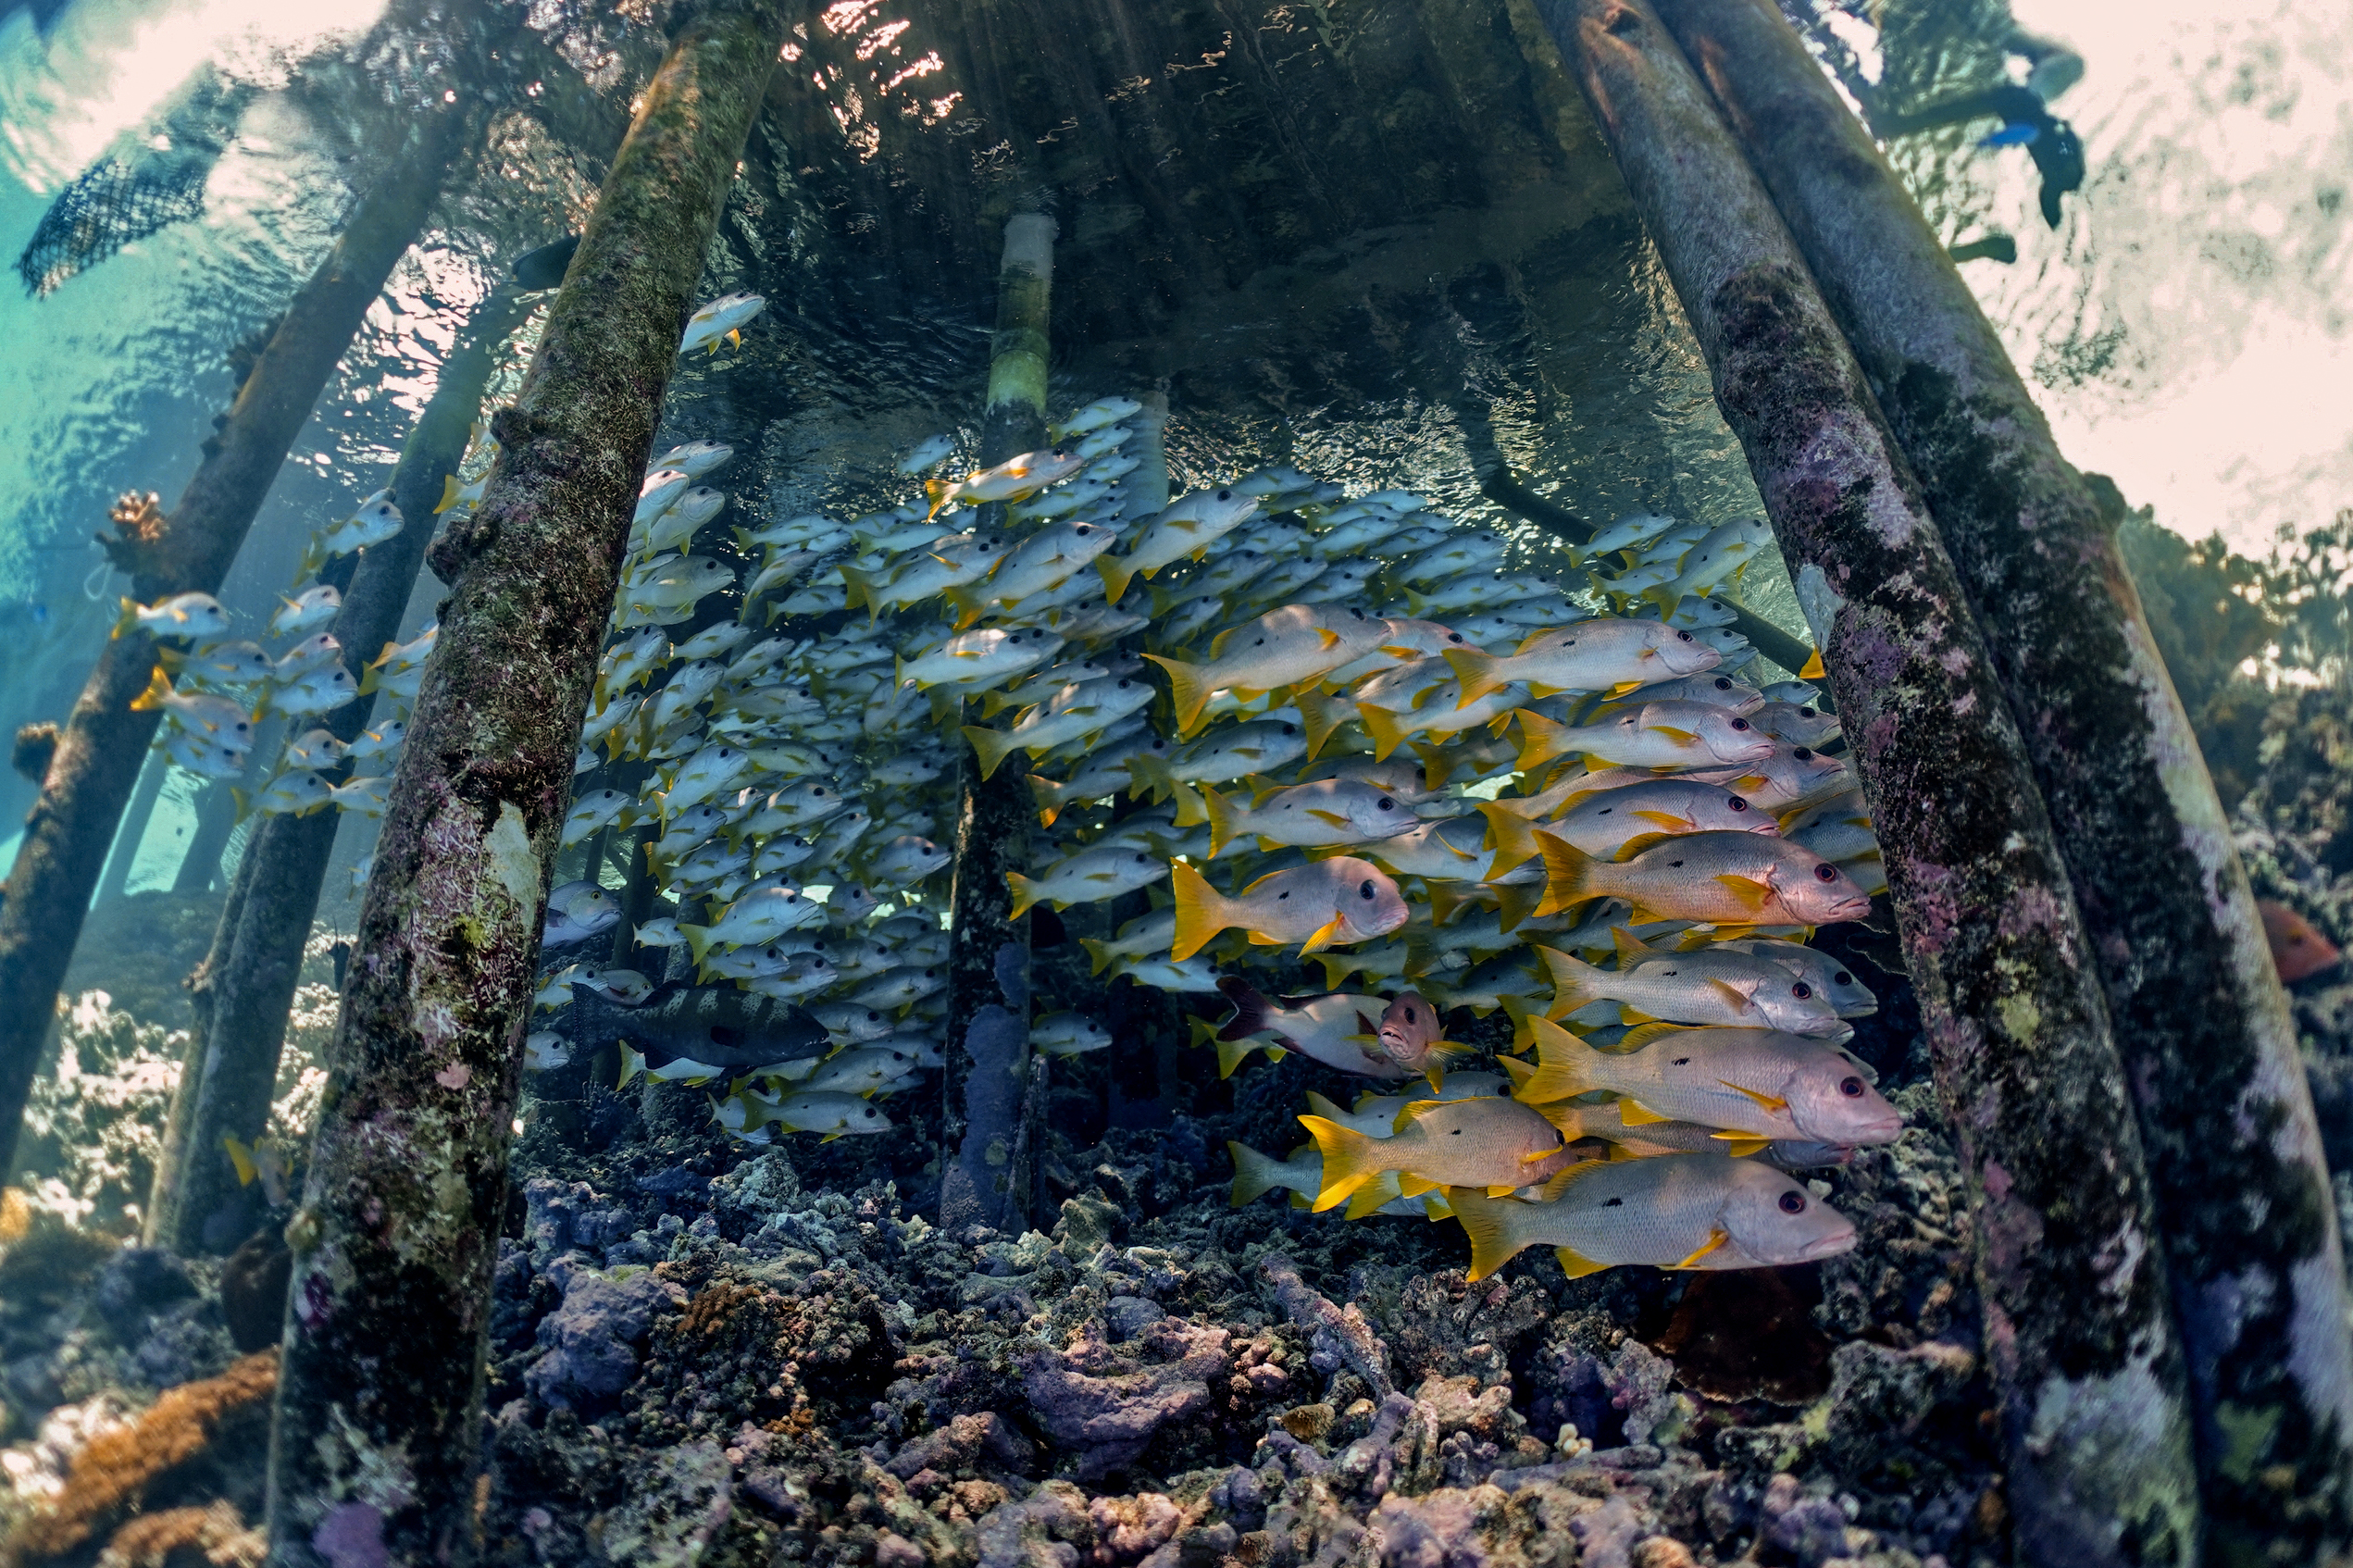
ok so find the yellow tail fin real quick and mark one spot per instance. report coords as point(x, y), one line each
point(1509, 835)
point(1475, 670)
point(1191, 809)
point(1320, 716)
point(1564, 1065)
point(1148, 775)
point(242, 1158)
point(861, 592)
point(698, 939)
point(1487, 1222)
point(1540, 741)
point(1116, 576)
point(1098, 953)
point(1516, 902)
point(1389, 731)
point(1347, 1160)
point(1574, 982)
point(1222, 820)
point(1232, 1053)
point(128, 618)
point(937, 491)
point(1255, 1175)
point(1025, 893)
point(1188, 687)
point(632, 1063)
point(450, 487)
point(159, 688)
point(992, 747)
point(1568, 874)
point(1202, 911)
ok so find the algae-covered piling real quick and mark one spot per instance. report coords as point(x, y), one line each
point(377, 1426)
point(103, 743)
point(2089, 1372)
point(2242, 1190)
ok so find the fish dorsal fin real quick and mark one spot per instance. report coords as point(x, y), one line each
point(1415, 1110)
point(1634, 1114)
point(1559, 1183)
point(1717, 1241)
point(1643, 1034)
point(1740, 1145)
point(1772, 1103)
point(1639, 843)
point(1575, 1264)
point(1631, 950)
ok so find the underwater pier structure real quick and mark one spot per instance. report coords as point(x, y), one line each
point(2039, 1266)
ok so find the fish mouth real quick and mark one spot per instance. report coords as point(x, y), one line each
point(1881, 1129)
point(1830, 1246)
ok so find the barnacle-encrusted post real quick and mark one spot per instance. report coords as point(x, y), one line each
point(256, 954)
point(987, 1169)
point(378, 1431)
point(2079, 1339)
point(103, 743)
point(2243, 1196)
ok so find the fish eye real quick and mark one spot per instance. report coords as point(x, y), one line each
point(1737, 805)
point(1802, 755)
point(1365, 890)
point(1842, 977)
point(1852, 1087)
point(1409, 1015)
point(1682, 636)
point(1807, 713)
point(1825, 872)
point(1794, 1203)
point(1739, 724)
point(1801, 990)
point(1224, 495)
point(1724, 683)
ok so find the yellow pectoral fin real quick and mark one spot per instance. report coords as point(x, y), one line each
point(1718, 1240)
point(1764, 1102)
point(1753, 894)
point(1331, 638)
point(1667, 820)
point(1322, 939)
point(1622, 687)
point(1680, 736)
point(1334, 818)
point(1740, 1145)
point(1634, 1114)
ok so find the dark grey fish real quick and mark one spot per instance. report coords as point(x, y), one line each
point(717, 1024)
point(544, 267)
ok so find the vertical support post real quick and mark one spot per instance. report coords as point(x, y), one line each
point(104, 742)
point(256, 956)
point(988, 1143)
point(2242, 1195)
point(133, 829)
point(2088, 1374)
point(377, 1433)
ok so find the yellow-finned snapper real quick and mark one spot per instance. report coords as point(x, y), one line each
point(315, 652)
point(1467, 552)
point(900, 988)
point(1715, 690)
point(1724, 553)
point(1330, 813)
point(224, 664)
point(1038, 565)
point(860, 1070)
point(205, 755)
point(197, 618)
point(363, 797)
point(1329, 904)
point(1706, 986)
point(399, 656)
point(376, 520)
point(1797, 725)
point(577, 911)
point(906, 860)
point(1762, 1083)
point(1628, 532)
point(1680, 1210)
point(721, 637)
point(926, 454)
point(723, 317)
point(1013, 479)
point(1495, 1144)
point(1186, 527)
point(198, 711)
point(322, 692)
point(378, 741)
point(1605, 653)
point(1411, 1034)
point(677, 1070)
point(1678, 735)
point(1719, 878)
point(993, 655)
point(297, 793)
point(1067, 1034)
point(1402, 642)
point(674, 527)
point(949, 563)
point(311, 607)
point(1140, 938)
point(315, 748)
point(591, 814)
point(752, 919)
point(1091, 876)
point(694, 458)
point(1607, 824)
point(1084, 710)
point(1435, 710)
point(653, 497)
point(1095, 415)
point(701, 777)
point(1336, 1029)
point(1287, 647)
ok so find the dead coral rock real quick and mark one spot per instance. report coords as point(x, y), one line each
point(963, 1441)
point(35, 744)
point(673, 1514)
point(1339, 1337)
point(1482, 1526)
point(1047, 1529)
point(217, 1533)
point(1879, 1397)
point(1106, 1402)
point(589, 1344)
point(117, 1467)
point(1129, 1528)
point(1443, 1324)
point(1457, 1405)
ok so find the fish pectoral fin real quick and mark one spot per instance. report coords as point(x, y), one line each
point(1740, 1145)
point(1666, 819)
point(1754, 895)
point(1717, 1241)
point(1764, 1102)
point(1622, 687)
point(1334, 818)
point(1680, 736)
point(1331, 638)
point(1575, 1264)
point(1322, 937)
point(1731, 996)
point(1634, 1114)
